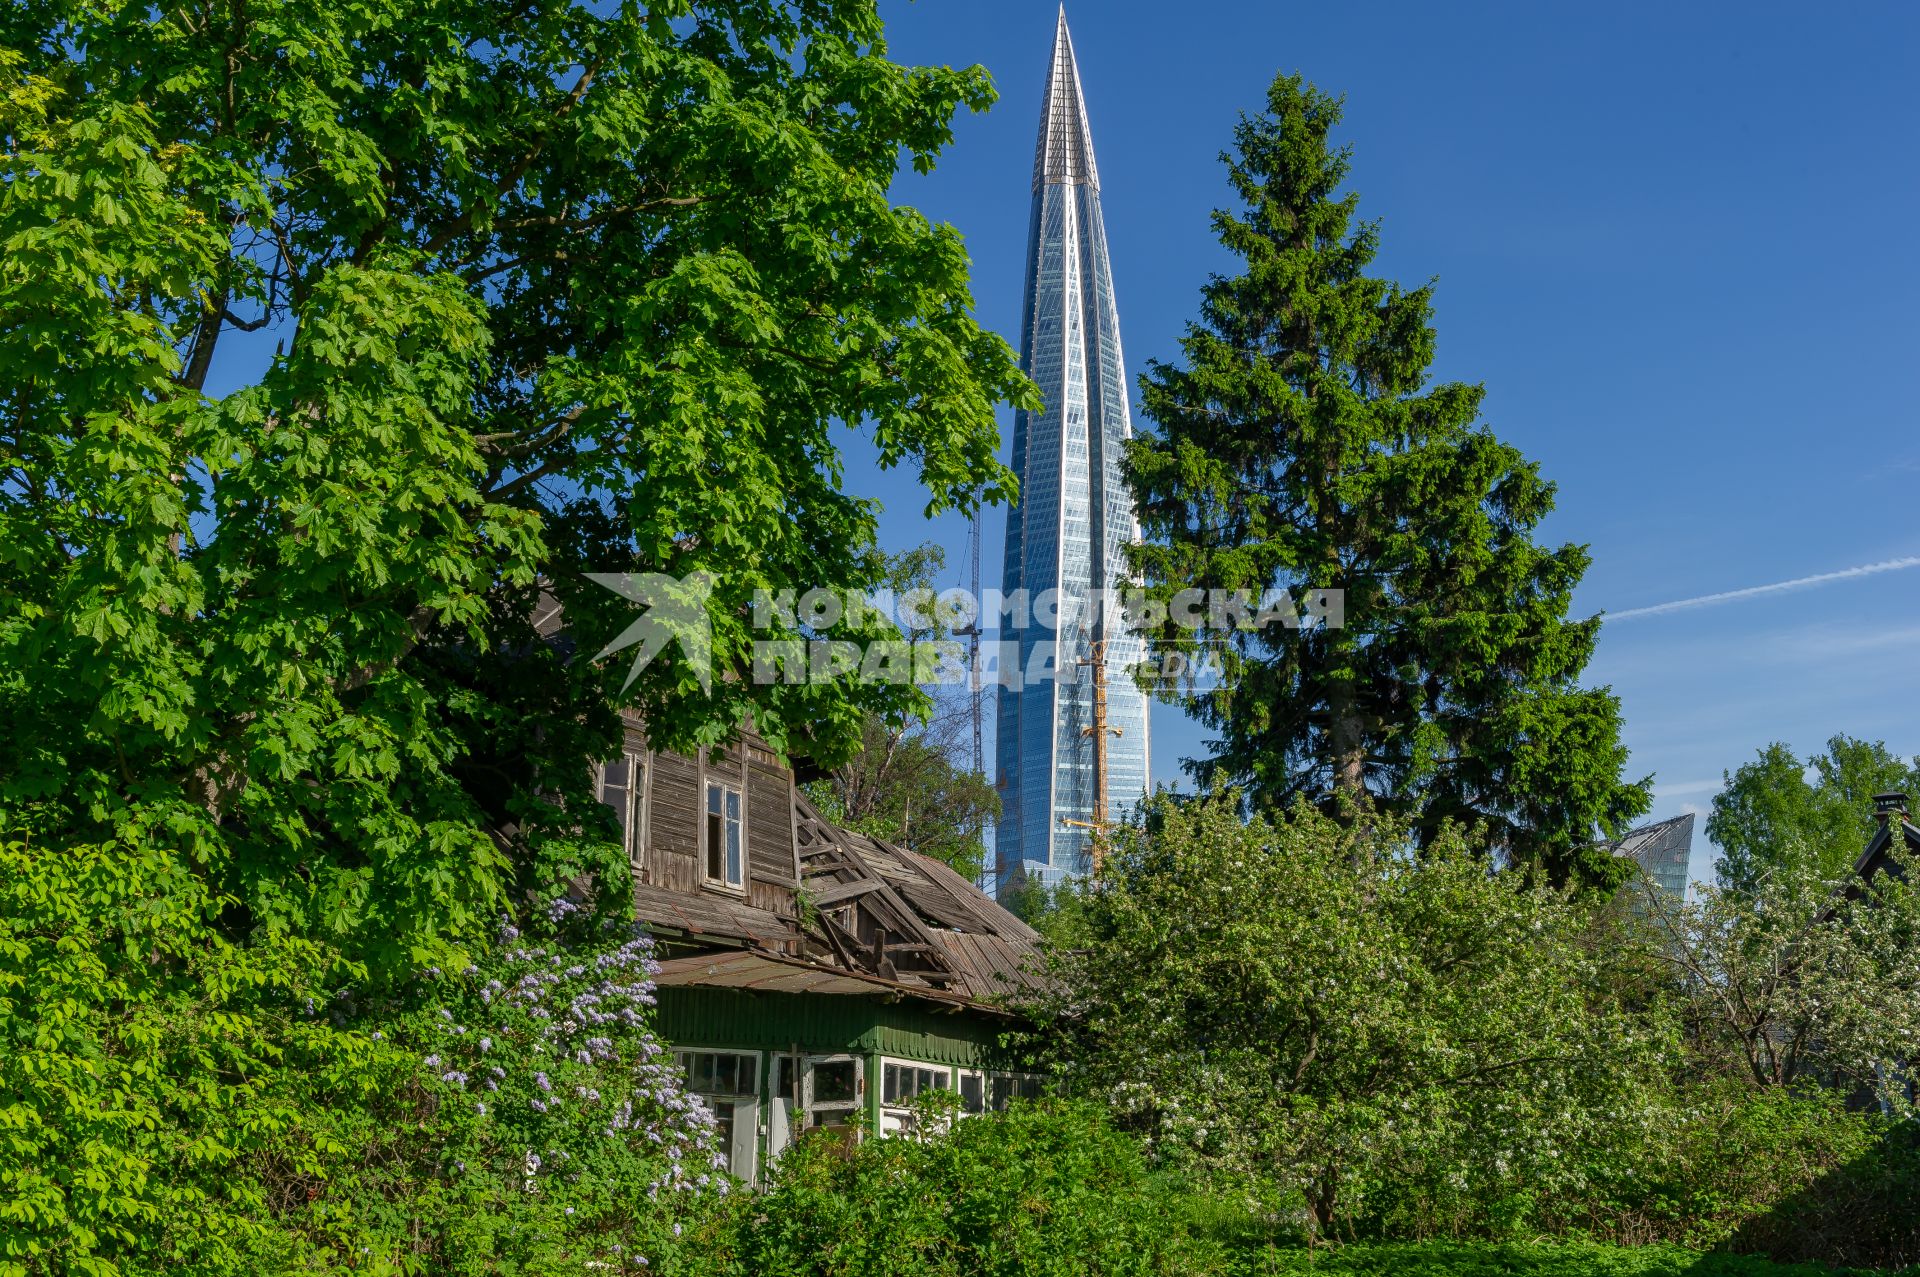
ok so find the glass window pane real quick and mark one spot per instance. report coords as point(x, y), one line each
point(890, 1084)
point(734, 874)
point(833, 1081)
point(973, 1093)
point(726, 1073)
point(614, 775)
point(749, 1075)
point(724, 1112)
point(713, 799)
point(716, 848)
point(637, 830)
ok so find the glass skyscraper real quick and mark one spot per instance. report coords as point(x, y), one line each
point(1064, 537)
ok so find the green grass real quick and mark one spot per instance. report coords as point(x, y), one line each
point(1457, 1259)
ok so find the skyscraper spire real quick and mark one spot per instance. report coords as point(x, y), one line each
point(1065, 151)
point(1071, 755)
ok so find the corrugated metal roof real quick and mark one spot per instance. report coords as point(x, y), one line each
point(765, 972)
point(713, 916)
point(884, 919)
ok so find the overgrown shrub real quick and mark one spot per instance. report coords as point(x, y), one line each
point(1046, 1188)
point(1516, 1259)
point(1315, 1006)
point(174, 1102)
point(1054, 1190)
point(1797, 1175)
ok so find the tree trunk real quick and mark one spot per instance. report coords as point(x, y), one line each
point(1349, 748)
point(1321, 1199)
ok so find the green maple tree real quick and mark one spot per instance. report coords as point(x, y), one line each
point(556, 288)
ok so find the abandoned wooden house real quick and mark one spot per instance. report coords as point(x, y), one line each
point(809, 973)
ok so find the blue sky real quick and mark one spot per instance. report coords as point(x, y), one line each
point(1674, 242)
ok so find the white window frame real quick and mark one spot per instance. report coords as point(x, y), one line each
point(742, 1107)
point(813, 1108)
point(898, 1117)
point(961, 1078)
point(682, 1056)
point(738, 792)
point(635, 826)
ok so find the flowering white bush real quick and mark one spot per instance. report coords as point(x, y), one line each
point(1319, 1009)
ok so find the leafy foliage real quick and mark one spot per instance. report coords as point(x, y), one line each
point(1802, 978)
point(1309, 1005)
point(1301, 448)
point(1522, 1259)
point(1791, 1173)
point(171, 1102)
point(1053, 1188)
point(143, 1064)
point(556, 289)
point(1044, 1188)
point(1771, 817)
point(911, 782)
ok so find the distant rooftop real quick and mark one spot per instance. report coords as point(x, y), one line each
point(1663, 849)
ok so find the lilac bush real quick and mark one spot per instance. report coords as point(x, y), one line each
point(566, 1127)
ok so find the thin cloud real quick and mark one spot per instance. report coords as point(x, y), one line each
point(1777, 587)
point(1690, 787)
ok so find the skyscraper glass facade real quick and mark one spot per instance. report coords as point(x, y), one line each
point(1064, 537)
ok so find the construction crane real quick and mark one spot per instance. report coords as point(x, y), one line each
point(1098, 826)
point(976, 693)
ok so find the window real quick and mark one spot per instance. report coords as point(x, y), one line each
point(623, 787)
point(836, 1081)
point(973, 1092)
point(725, 861)
point(721, 1072)
point(832, 1092)
point(1007, 1087)
point(728, 1083)
point(901, 1081)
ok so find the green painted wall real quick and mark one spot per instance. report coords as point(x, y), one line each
point(826, 1023)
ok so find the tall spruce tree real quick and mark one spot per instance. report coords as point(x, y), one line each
point(1300, 446)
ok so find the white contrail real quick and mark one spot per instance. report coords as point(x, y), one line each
point(1752, 591)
